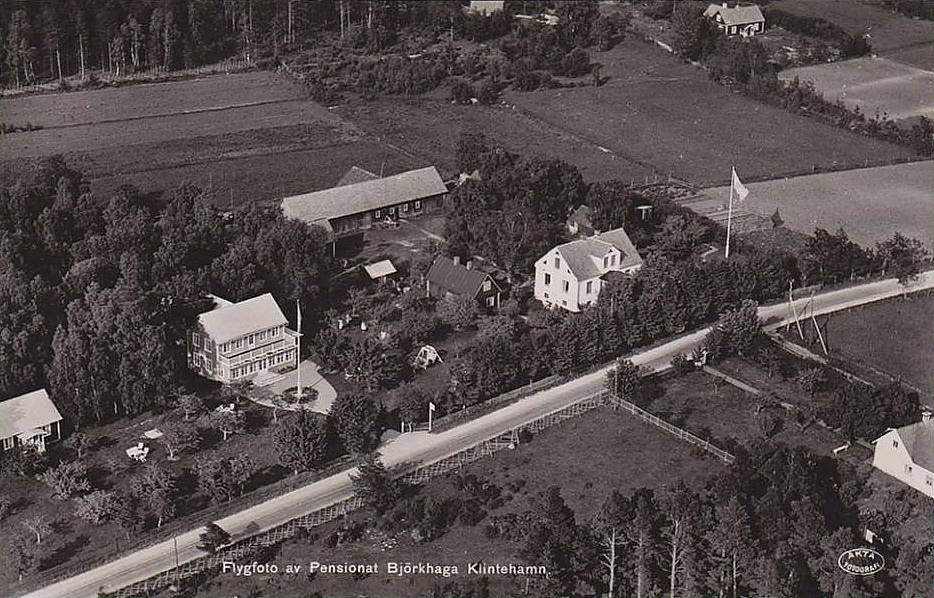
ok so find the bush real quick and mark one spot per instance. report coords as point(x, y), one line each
point(461, 91)
point(577, 63)
point(681, 364)
point(488, 93)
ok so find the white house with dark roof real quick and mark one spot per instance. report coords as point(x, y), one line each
point(907, 454)
point(570, 276)
point(29, 419)
point(238, 341)
point(736, 20)
point(351, 208)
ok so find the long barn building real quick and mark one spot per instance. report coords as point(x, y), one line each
point(350, 209)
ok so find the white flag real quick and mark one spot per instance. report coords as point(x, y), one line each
point(431, 406)
point(738, 187)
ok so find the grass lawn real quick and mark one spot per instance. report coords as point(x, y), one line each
point(888, 31)
point(587, 458)
point(76, 542)
point(877, 86)
point(869, 203)
point(697, 403)
point(661, 112)
point(896, 336)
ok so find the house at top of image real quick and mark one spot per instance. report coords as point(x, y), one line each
point(360, 201)
point(241, 341)
point(907, 454)
point(570, 276)
point(486, 7)
point(30, 420)
point(448, 278)
point(737, 20)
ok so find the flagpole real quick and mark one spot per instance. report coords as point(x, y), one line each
point(298, 352)
point(729, 215)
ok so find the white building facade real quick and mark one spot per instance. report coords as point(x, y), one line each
point(238, 341)
point(571, 275)
point(907, 454)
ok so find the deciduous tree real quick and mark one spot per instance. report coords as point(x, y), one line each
point(356, 419)
point(67, 479)
point(178, 437)
point(302, 441)
point(374, 485)
point(213, 538)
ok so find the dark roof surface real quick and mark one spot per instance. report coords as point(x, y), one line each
point(455, 278)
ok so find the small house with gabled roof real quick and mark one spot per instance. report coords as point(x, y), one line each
point(736, 20)
point(907, 454)
point(571, 275)
point(448, 278)
point(29, 420)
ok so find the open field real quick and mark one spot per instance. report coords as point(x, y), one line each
point(266, 177)
point(429, 127)
point(887, 30)
point(264, 143)
point(921, 57)
point(895, 336)
point(870, 203)
point(587, 457)
point(669, 115)
point(147, 100)
point(877, 86)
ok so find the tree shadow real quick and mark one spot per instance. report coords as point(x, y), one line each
point(64, 552)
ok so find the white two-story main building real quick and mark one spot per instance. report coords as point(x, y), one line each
point(237, 341)
point(570, 276)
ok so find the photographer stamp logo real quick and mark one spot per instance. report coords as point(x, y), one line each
point(861, 561)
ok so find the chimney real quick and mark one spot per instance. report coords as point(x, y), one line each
point(457, 260)
point(725, 5)
point(469, 264)
point(926, 416)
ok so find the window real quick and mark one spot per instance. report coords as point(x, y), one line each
point(405, 207)
point(606, 261)
point(564, 302)
point(557, 262)
point(908, 469)
point(547, 279)
point(733, 29)
point(487, 285)
point(613, 260)
point(392, 211)
point(895, 443)
point(238, 343)
point(491, 301)
point(567, 286)
point(376, 214)
point(929, 481)
point(589, 286)
point(418, 204)
point(546, 295)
